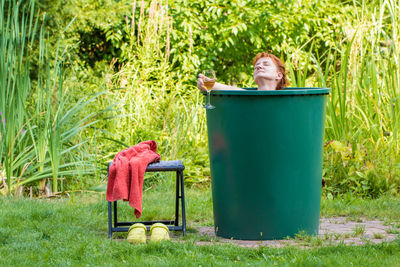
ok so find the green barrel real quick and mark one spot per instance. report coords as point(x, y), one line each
point(266, 151)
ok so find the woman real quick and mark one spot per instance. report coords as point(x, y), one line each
point(269, 74)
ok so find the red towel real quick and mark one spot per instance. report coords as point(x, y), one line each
point(125, 179)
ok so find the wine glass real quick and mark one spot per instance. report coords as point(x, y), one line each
point(209, 84)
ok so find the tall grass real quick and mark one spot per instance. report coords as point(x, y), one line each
point(42, 137)
point(363, 114)
point(16, 35)
point(40, 124)
point(153, 103)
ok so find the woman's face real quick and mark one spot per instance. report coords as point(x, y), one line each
point(265, 68)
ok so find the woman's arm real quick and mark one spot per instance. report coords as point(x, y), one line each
point(217, 86)
point(221, 86)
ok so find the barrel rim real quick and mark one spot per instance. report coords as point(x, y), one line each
point(284, 91)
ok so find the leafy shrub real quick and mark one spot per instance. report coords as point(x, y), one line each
point(351, 168)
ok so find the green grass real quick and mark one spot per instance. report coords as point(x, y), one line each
point(385, 208)
point(359, 230)
point(73, 231)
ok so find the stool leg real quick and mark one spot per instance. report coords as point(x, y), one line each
point(177, 200)
point(183, 204)
point(110, 209)
point(115, 214)
point(109, 220)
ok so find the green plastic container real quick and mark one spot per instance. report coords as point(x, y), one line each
point(266, 151)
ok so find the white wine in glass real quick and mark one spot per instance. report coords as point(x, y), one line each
point(209, 84)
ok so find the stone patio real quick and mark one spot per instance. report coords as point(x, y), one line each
point(332, 231)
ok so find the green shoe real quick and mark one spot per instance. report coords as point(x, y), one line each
point(137, 234)
point(159, 232)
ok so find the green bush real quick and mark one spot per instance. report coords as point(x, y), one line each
point(146, 58)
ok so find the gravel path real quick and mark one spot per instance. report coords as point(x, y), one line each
point(331, 231)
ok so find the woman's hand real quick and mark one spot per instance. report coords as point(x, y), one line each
point(201, 80)
point(217, 86)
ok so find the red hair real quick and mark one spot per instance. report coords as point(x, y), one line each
point(279, 65)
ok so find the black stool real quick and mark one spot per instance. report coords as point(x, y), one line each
point(173, 165)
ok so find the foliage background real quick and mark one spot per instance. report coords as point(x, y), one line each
point(144, 57)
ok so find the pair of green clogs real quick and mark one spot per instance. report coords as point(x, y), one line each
point(137, 233)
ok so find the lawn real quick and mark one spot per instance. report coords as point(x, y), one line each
point(73, 231)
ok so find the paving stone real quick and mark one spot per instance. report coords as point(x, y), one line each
point(332, 231)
